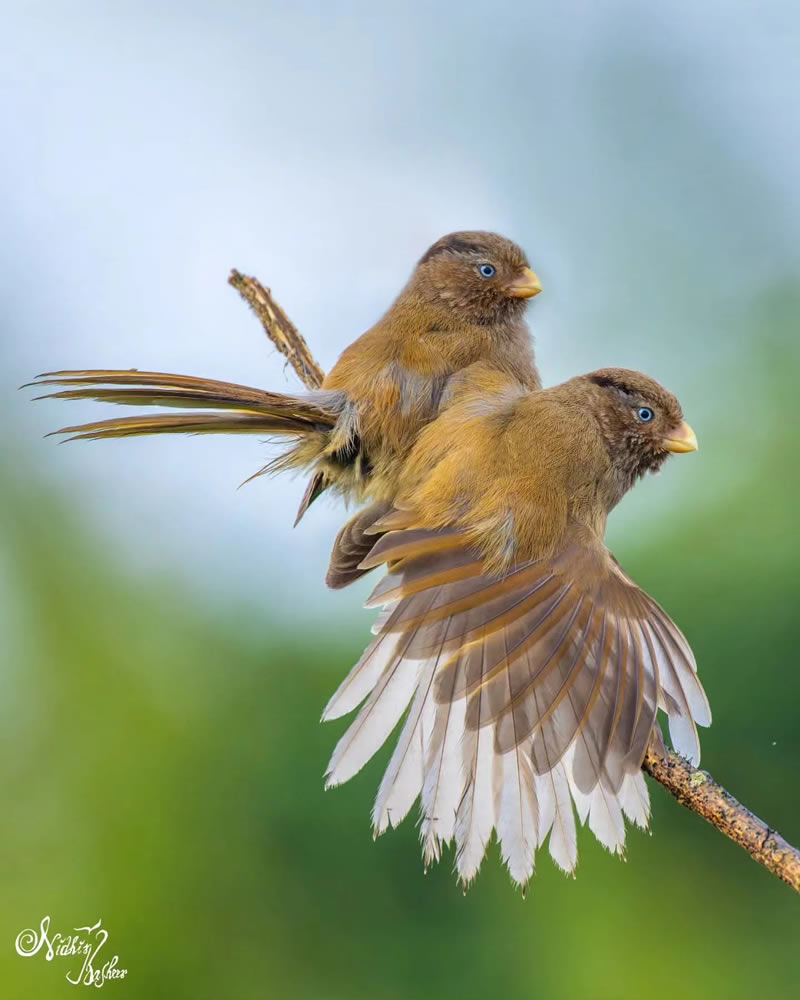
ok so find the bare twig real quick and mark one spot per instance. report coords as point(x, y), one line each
point(279, 328)
point(698, 791)
point(693, 788)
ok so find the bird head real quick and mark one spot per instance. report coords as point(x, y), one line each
point(482, 277)
point(641, 422)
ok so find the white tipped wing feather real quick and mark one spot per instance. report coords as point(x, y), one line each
point(532, 698)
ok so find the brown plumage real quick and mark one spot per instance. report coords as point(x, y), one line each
point(528, 665)
point(532, 663)
point(459, 319)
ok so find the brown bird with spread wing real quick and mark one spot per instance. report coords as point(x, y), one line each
point(532, 664)
point(528, 665)
point(461, 314)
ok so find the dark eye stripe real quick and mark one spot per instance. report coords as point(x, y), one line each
point(610, 383)
point(453, 244)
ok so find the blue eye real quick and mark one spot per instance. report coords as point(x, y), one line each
point(487, 271)
point(645, 414)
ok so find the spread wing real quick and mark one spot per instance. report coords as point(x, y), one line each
point(524, 694)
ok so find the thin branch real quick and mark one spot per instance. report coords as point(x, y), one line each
point(279, 328)
point(698, 791)
point(693, 788)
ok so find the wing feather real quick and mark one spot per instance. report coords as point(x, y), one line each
point(443, 786)
point(476, 815)
point(533, 695)
point(405, 774)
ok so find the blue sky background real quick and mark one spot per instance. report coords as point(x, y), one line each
point(645, 156)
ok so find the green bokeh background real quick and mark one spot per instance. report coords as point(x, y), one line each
point(161, 757)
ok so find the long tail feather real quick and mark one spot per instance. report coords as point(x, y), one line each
point(245, 409)
point(181, 423)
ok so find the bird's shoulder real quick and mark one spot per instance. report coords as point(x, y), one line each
point(509, 467)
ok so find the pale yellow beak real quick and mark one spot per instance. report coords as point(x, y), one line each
point(524, 286)
point(681, 440)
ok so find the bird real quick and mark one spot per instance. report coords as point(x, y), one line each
point(528, 666)
point(460, 317)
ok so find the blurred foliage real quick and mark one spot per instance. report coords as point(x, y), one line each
point(162, 769)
